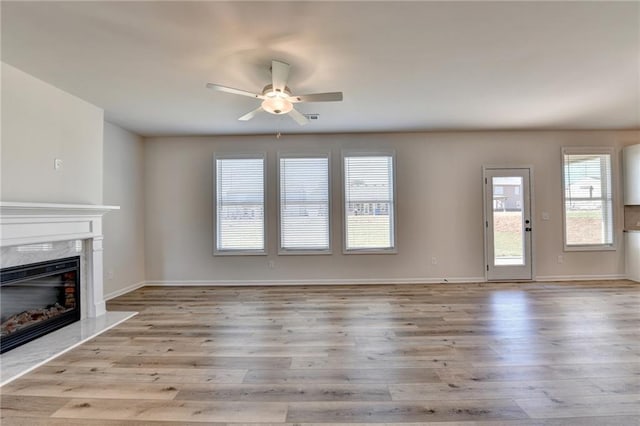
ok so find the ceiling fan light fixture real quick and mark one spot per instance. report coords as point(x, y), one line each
point(276, 105)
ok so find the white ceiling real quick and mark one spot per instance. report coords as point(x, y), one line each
point(402, 66)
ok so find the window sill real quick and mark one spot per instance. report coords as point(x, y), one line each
point(590, 248)
point(371, 251)
point(239, 253)
point(304, 252)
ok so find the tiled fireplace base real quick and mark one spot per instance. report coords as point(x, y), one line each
point(27, 357)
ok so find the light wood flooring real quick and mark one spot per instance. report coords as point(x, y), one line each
point(472, 354)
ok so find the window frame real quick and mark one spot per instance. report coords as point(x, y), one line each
point(240, 156)
point(394, 220)
point(589, 151)
point(289, 252)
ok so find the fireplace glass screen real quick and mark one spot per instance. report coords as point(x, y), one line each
point(38, 298)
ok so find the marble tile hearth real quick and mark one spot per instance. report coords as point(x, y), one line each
point(29, 356)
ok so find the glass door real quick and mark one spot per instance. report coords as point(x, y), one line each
point(508, 224)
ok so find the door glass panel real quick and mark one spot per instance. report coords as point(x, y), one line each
point(508, 221)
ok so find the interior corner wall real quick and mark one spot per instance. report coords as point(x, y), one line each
point(439, 208)
point(39, 124)
point(123, 229)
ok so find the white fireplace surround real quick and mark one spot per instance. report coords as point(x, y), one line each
point(35, 223)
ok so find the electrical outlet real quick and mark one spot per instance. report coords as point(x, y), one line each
point(560, 258)
point(110, 274)
point(545, 215)
point(272, 264)
point(434, 260)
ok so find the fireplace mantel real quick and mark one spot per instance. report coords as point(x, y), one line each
point(33, 223)
point(16, 206)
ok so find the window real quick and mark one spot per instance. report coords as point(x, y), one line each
point(369, 203)
point(304, 204)
point(240, 204)
point(587, 197)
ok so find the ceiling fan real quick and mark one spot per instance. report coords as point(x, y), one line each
point(277, 98)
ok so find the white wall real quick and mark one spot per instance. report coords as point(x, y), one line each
point(439, 207)
point(41, 123)
point(123, 229)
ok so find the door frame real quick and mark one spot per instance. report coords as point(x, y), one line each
point(534, 223)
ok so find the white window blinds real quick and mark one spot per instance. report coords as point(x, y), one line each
point(304, 203)
point(240, 204)
point(369, 202)
point(588, 206)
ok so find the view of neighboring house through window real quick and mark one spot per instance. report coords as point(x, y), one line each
point(588, 205)
point(508, 220)
point(369, 202)
point(240, 202)
point(304, 203)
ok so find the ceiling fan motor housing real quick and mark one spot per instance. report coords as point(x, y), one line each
point(276, 101)
point(268, 90)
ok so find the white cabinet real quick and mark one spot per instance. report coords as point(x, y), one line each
point(632, 253)
point(631, 158)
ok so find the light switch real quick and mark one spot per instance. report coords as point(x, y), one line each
point(57, 164)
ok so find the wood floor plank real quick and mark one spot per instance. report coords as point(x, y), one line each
point(582, 406)
point(389, 375)
point(110, 352)
point(539, 372)
point(373, 362)
point(381, 412)
point(618, 385)
point(51, 372)
point(610, 420)
point(286, 393)
point(27, 406)
point(460, 390)
point(178, 361)
point(177, 411)
point(70, 389)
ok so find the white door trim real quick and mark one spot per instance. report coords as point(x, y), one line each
point(532, 210)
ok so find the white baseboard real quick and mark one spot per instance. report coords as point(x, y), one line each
point(346, 281)
point(581, 277)
point(340, 281)
point(124, 290)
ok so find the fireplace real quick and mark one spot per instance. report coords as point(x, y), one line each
point(37, 299)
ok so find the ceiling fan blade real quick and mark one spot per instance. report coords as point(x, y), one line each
point(248, 116)
point(298, 117)
point(226, 89)
point(317, 97)
point(279, 75)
